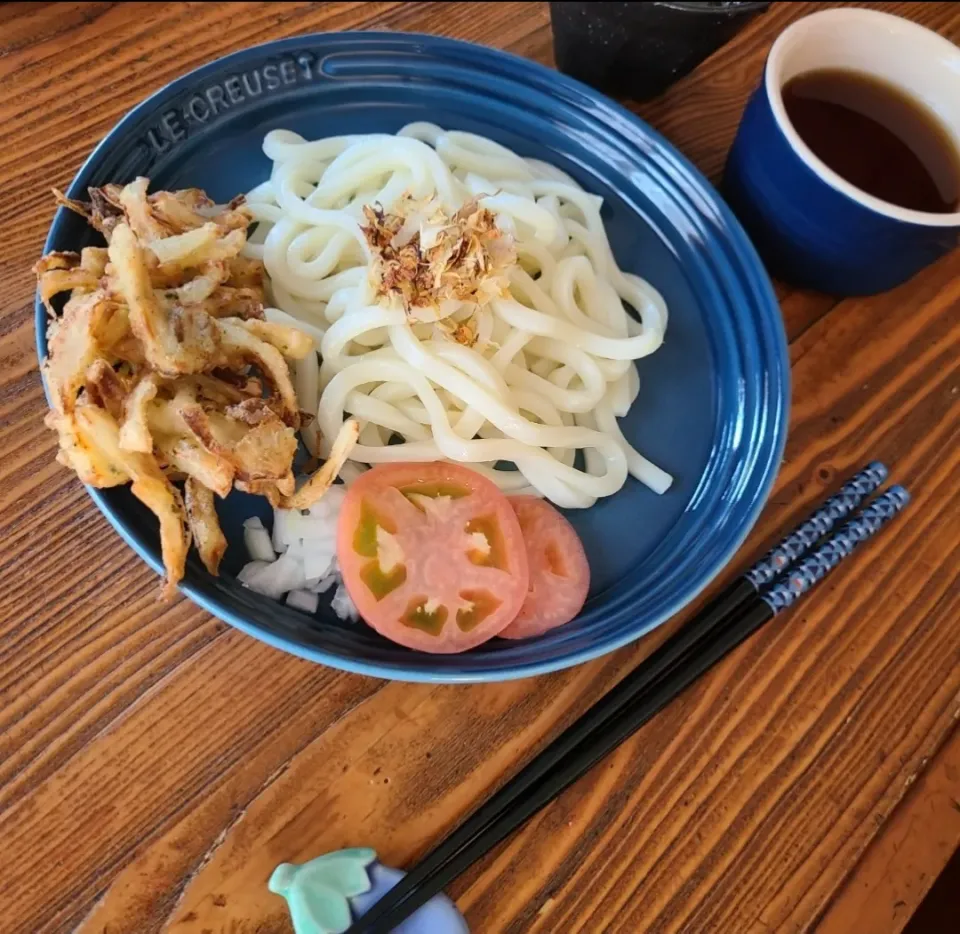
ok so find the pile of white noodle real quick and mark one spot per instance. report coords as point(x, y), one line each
point(553, 367)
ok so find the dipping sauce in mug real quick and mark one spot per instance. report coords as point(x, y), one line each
point(877, 137)
point(846, 167)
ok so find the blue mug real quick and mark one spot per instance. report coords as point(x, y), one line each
point(812, 227)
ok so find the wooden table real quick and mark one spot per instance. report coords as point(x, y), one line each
point(155, 764)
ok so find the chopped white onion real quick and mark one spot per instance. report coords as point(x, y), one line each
point(317, 562)
point(257, 540)
point(276, 579)
point(290, 526)
point(306, 541)
point(282, 534)
point(342, 605)
point(324, 584)
point(303, 600)
point(249, 570)
point(329, 504)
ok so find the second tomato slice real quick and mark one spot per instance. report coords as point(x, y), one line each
point(559, 572)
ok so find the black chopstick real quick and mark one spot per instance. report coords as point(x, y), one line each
point(725, 622)
point(585, 756)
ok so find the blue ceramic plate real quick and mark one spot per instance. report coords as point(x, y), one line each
point(713, 403)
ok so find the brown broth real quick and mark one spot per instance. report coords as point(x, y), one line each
point(877, 137)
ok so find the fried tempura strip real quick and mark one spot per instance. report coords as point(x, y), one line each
point(218, 301)
point(187, 209)
point(186, 342)
point(133, 282)
point(228, 302)
point(252, 411)
point(204, 524)
point(100, 213)
point(235, 215)
point(266, 452)
point(218, 391)
point(239, 342)
point(72, 347)
point(139, 217)
point(249, 385)
point(72, 204)
point(247, 273)
point(135, 431)
point(62, 272)
point(198, 422)
point(184, 249)
point(166, 276)
point(163, 499)
point(291, 342)
point(93, 259)
point(185, 456)
point(171, 308)
point(163, 416)
point(112, 327)
point(199, 246)
point(105, 388)
point(263, 451)
point(150, 486)
point(177, 210)
point(313, 490)
point(201, 286)
point(80, 453)
point(265, 488)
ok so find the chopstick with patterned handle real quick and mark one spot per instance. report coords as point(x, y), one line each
point(679, 661)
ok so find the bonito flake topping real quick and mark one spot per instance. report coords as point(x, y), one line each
point(424, 259)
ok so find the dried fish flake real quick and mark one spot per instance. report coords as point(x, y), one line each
point(423, 258)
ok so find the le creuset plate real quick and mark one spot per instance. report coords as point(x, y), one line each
point(713, 403)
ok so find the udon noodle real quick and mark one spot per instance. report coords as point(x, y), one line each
point(551, 369)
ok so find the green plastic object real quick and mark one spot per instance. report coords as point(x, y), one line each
point(318, 892)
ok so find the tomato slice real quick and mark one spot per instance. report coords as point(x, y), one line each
point(559, 572)
point(432, 555)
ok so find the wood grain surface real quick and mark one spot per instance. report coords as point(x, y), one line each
point(156, 764)
point(902, 862)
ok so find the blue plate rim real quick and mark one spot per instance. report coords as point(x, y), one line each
point(779, 372)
